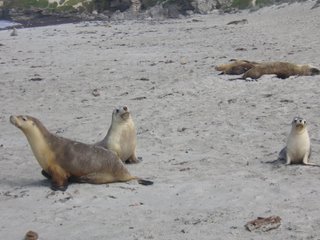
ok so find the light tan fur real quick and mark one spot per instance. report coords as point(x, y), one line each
point(121, 137)
point(298, 148)
point(63, 159)
point(281, 70)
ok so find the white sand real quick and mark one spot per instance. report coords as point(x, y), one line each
point(211, 178)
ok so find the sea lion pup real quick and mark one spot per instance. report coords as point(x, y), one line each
point(280, 69)
point(121, 137)
point(236, 67)
point(14, 32)
point(62, 159)
point(298, 149)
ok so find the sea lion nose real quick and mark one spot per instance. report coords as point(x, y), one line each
point(125, 108)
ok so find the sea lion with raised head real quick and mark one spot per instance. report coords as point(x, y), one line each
point(298, 148)
point(62, 159)
point(121, 137)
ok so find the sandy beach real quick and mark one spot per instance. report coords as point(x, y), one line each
point(205, 141)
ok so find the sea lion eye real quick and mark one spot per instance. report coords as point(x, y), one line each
point(125, 108)
point(24, 118)
point(117, 110)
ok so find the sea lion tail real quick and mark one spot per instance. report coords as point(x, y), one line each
point(144, 182)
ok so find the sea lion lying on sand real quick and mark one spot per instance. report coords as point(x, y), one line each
point(255, 70)
point(281, 70)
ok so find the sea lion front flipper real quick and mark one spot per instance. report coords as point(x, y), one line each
point(56, 187)
point(145, 182)
point(282, 75)
point(133, 159)
point(59, 180)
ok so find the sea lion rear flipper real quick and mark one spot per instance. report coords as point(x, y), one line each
point(45, 174)
point(145, 182)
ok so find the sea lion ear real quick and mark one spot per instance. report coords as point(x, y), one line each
point(315, 71)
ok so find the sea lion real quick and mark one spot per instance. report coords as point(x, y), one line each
point(63, 159)
point(254, 70)
point(14, 32)
point(298, 148)
point(280, 69)
point(121, 137)
point(236, 67)
point(242, 21)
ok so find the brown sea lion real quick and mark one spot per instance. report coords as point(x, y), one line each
point(280, 69)
point(236, 67)
point(298, 148)
point(121, 137)
point(62, 159)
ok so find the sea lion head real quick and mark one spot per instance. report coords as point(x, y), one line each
point(308, 70)
point(120, 114)
point(314, 71)
point(23, 122)
point(299, 124)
